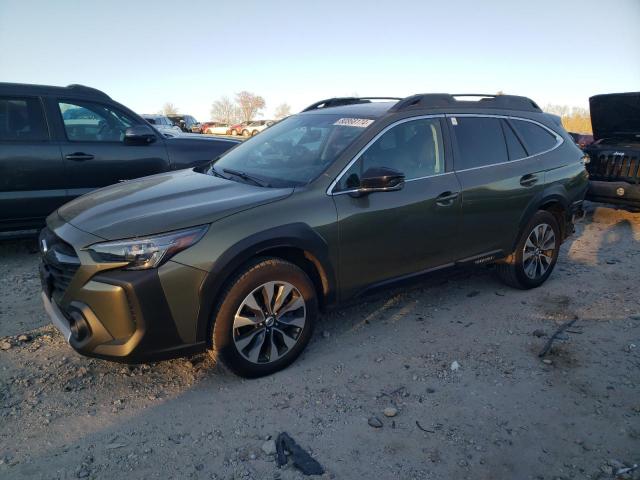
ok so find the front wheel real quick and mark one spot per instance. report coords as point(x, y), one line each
point(265, 318)
point(536, 253)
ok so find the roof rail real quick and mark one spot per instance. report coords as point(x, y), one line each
point(83, 88)
point(339, 101)
point(439, 100)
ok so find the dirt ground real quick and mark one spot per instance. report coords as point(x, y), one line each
point(502, 414)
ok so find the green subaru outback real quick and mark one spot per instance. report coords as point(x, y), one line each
point(352, 193)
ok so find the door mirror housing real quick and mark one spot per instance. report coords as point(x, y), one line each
point(139, 135)
point(380, 179)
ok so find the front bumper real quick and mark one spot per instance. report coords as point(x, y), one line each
point(619, 193)
point(128, 316)
point(122, 316)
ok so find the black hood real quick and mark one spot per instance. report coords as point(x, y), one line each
point(164, 202)
point(616, 115)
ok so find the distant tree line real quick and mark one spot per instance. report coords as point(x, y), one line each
point(245, 107)
point(574, 119)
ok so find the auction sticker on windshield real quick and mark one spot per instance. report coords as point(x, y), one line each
point(354, 122)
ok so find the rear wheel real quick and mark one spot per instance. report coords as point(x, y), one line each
point(245, 133)
point(234, 132)
point(265, 318)
point(536, 254)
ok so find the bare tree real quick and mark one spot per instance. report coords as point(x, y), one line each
point(574, 119)
point(223, 110)
point(169, 109)
point(283, 110)
point(249, 105)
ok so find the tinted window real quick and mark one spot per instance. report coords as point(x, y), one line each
point(152, 121)
point(22, 119)
point(480, 142)
point(536, 138)
point(93, 122)
point(413, 148)
point(515, 148)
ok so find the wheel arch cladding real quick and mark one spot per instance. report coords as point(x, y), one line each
point(552, 200)
point(297, 243)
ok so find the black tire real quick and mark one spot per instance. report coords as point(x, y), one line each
point(245, 133)
point(234, 133)
point(512, 272)
point(243, 284)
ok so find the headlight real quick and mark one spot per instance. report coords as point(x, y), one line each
point(146, 252)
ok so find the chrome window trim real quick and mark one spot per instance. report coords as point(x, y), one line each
point(329, 190)
point(559, 139)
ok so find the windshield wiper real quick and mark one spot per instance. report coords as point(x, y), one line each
point(246, 176)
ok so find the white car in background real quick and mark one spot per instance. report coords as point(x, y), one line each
point(162, 124)
point(216, 128)
point(255, 127)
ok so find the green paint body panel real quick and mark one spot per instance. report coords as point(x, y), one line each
point(352, 242)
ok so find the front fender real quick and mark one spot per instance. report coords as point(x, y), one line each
point(295, 235)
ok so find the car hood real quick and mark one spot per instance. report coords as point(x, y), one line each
point(616, 115)
point(164, 202)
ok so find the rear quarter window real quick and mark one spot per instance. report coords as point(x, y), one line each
point(536, 138)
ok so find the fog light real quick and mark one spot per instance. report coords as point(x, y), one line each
point(78, 325)
point(620, 192)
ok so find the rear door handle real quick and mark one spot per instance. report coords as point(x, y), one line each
point(528, 180)
point(78, 156)
point(446, 199)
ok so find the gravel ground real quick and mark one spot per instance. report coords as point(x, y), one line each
point(436, 380)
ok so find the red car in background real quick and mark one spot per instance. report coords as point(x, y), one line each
point(238, 128)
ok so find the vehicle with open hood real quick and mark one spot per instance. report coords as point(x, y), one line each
point(614, 167)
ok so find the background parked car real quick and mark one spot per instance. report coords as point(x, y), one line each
point(187, 123)
point(614, 169)
point(238, 128)
point(255, 127)
point(216, 128)
point(162, 123)
point(57, 143)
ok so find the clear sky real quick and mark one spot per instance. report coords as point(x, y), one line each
point(146, 53)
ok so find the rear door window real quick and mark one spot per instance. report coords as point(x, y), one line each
point(514, 147)
point(22, 119)
point(536, 138)
point(480, 142)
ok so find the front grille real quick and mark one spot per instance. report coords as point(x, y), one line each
point(610, 167)
point(60, 261)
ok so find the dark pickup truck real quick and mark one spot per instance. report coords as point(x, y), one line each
point(614, 168)
point(57, 143)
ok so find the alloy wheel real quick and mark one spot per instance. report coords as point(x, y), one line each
point(269, 322)
point(539, 250)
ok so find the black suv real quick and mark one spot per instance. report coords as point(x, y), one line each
point(186, 123)
point(321, 207)
point(614, 169)
point(60, 142)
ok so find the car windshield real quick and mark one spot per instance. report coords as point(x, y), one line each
point(293, 152)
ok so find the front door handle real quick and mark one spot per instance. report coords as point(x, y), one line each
point(78, 156)
point(528, 180)
point(446, 199)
